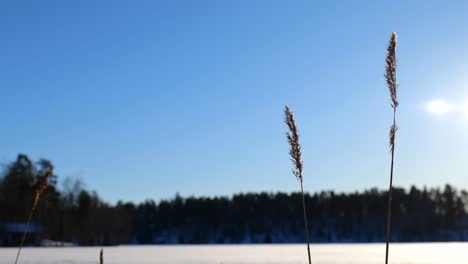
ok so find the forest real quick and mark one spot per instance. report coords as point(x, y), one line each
point(72, 213)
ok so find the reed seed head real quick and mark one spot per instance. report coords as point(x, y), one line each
point(293, 139)
point(390, 70)
point(391, 136)
point(42, 185)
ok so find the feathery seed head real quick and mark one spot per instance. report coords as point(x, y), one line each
point(42, 185)
point(293, 139)
point(390, 70)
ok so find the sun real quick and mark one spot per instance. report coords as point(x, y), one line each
point(438, 107)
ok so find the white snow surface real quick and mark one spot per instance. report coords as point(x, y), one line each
point(401, 253)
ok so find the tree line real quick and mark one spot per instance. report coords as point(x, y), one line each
point(74, 214)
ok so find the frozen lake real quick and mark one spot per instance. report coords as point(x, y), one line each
point(434, 253)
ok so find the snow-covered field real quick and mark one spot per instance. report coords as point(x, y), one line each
point(434, 253)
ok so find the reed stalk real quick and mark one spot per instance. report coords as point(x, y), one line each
point(390, 76)
point(295, 153)
point(41, 186)
point(101, 256)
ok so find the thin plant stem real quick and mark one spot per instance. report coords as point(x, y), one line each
point(389, 201)
point(306, 223)
point(42, 185)
point(23, 238)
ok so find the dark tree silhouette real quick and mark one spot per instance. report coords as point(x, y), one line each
point(77, 215)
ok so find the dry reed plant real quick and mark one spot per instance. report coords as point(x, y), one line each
point(295, 153)
point(41, 186)
point(101, 256)
point(390, 76)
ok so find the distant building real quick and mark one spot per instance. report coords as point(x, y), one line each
point(11, 234)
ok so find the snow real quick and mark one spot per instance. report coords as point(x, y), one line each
point(417, 253)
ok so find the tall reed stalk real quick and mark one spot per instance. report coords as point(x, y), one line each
point(295, 153)
point(41, 186)
point(390, 76)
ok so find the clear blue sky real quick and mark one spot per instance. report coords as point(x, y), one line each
point(148, 98)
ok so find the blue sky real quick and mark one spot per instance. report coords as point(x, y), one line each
point(143, 100)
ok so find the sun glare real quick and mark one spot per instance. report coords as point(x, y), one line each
point(440, 107)
point(464, 109)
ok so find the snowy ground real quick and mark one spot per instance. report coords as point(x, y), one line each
point(434, 253)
